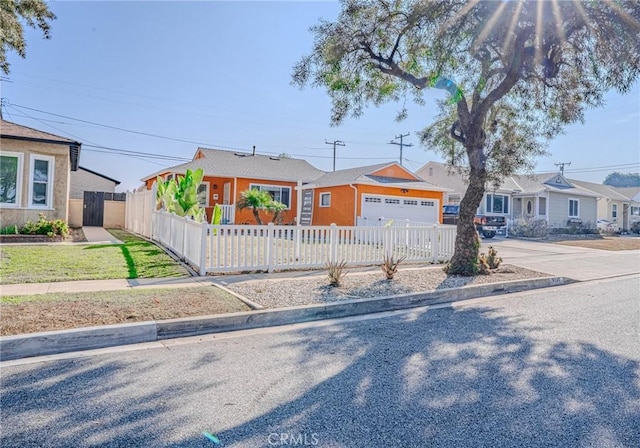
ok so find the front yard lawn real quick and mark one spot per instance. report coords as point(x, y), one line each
point(134, 258)
point(48, 312)
point(606, 243)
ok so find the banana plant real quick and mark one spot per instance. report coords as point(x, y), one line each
point(180, 196)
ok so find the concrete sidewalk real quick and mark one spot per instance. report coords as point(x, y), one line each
point(99, 235)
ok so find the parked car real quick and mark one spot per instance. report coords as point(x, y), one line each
point(488, 225)
point(606, 226)
point(635, 227)
point(450, 214)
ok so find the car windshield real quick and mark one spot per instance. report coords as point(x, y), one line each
point(451, 209)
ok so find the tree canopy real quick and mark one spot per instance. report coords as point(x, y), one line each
point(516, 71)
point(622, 179)
point(34, 13)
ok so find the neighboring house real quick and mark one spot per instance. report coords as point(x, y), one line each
point(84, 179)
point(34, 174)
point(550, 197)
point(374, 193)
point(613, 206)
point(227, 174)
point(631, 215)
point(93, 201)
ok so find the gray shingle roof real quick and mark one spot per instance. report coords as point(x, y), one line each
point(363, 175)
point(217, 162)
point(9, 129)
point(535, 183)
point(628, 192)
point(601, 190)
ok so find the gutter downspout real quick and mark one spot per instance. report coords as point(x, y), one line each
point(355, 204)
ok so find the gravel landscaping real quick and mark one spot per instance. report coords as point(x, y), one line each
point(276, 293)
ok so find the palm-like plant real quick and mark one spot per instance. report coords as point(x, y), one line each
point(278, 209)
point(255, 200)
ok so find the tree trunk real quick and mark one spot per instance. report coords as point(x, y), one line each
point(256, 214)
point(467, 246)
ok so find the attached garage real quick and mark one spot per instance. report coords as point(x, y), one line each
point(387, 191)
point(400, 208)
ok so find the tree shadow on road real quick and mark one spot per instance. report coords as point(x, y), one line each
point(449, 377)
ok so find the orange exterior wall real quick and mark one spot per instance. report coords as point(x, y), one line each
point(246, 216)
point(342, 202)
point(394, 171)
point(341, 210)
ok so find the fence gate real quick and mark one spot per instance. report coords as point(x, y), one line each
point(93, 212)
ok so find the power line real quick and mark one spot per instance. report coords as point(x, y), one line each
point(335, 143)
point(401, 144)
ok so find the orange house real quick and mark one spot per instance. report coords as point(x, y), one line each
point(227, 174)
point(373, 193)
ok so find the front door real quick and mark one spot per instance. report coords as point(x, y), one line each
point(93, 212)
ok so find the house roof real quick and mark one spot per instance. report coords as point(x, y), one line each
point(629, 192)
point(19, 132)
point(222, 163)
point(602, 190)
point(443, 175)
point(539, 183)
point(117, 182)
point(365, 175)
point(14, 130)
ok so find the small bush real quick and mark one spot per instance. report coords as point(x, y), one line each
point(45, 227)
point(390, 266)
point(529, 228)
point(492, 258)
point(335, 272)
point(9, 230)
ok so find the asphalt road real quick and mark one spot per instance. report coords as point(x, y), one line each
point(554, 367)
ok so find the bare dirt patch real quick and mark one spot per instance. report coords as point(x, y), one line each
point(606, 243)
point(47, 312)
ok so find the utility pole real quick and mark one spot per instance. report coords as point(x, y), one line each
point(561, 165)
point(401, 144)
point(334, 143)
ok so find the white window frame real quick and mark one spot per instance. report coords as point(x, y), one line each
point(206, 184)
point(489, 203)
point(50, 180)
point(325, 195)
point(274, 187)
point(635, 211)
point(577, 201)
point(19, 176)
point(614, 211)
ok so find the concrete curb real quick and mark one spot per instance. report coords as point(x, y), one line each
point(53, 342)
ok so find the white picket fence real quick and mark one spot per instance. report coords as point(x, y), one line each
point(238, 248)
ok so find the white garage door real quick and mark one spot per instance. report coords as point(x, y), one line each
point(400, 208)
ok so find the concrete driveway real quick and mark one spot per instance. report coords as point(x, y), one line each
point(577, 263)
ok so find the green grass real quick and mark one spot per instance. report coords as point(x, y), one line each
point(135, 258)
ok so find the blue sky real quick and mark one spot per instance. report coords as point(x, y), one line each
point(217, 74)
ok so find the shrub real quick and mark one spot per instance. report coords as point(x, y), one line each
point(493, 261)
point(390, 265)
point(9, 230)
point(335, 272)
point(45, 227)
point(529, 228)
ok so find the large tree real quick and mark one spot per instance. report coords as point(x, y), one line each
point(516, 71)
point(34, 13)
point(622, 179)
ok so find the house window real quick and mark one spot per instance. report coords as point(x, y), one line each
point(41, 181)
point(325, 199)
point(574, 208)
point(10, 179)
point(430, 171)
point(635, 211)
point(542, 206)
point(278, 193)
point(497, 203)
point(614, 211)
point(203, 194)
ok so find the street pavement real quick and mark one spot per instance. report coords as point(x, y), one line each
point(553, 367)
